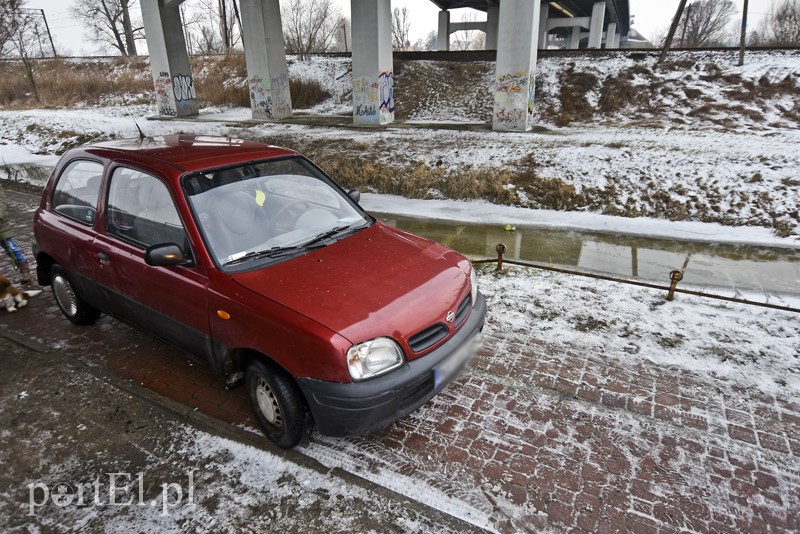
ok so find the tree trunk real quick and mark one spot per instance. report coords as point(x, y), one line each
point(223, 22)
point(127, 28)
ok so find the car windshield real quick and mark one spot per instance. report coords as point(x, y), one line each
point(269, 209)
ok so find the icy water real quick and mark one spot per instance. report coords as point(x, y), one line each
point(756, 273)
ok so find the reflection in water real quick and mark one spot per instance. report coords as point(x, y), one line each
point(732, 270)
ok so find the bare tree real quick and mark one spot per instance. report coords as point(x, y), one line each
point(781, 26)
point(108, 22)
point(222, 17)
point(705, 23)
point(8, 12)
point(465, 39)
point(21, 37)
point(401, 27)
point(428, 43)
point(309, 26)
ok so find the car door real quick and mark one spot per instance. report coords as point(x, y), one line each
point(73, 223)
point(170, 302)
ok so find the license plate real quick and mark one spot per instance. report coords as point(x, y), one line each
point(456, 361)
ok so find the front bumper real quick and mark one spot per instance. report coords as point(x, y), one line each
point(359, 408)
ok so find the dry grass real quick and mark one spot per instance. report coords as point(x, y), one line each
point(574, 105)
point(307, 93)
point(619, 93)
point(421, 180)
point(219, 81)
point(62, 83)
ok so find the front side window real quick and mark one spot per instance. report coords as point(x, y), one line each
point(259, 211)
point(77, 190)
point(141, 209)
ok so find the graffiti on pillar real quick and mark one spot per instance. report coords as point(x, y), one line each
point(513, 100)
point(183, 87)
point(365, 97)
point(514, 83)
point(163, 97)
point(386, 87)
point(531, 90)
point(281, 99)
point(260, 97)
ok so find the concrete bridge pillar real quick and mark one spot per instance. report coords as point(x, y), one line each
point(265, 55)
point(169, 60)
point(544, 14)
point(492, 21)
point(373, 68)
point(574, 38)
point(612, 36)
point(516, 64)
point(596, 26)
point(443, 35)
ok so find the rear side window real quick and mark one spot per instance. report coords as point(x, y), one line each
point(140, 208)
point(77, 190)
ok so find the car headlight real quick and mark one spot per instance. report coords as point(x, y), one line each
point(473, 280)
point(373, 358)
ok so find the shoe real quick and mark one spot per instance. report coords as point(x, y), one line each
point(24, 272)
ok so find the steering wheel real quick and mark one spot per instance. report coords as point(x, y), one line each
point(285, 218)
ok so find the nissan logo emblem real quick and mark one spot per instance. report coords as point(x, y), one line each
point(451, 316)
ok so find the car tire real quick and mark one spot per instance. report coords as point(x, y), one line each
point(277, 403)
point(69, 301)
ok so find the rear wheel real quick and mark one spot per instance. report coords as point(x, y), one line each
point(277, 402)
point(69, 301)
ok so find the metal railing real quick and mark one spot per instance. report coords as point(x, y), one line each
point(675, 277)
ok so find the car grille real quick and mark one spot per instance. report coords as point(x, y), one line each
point(463, 310)
point(433, 334)
point(428, 337)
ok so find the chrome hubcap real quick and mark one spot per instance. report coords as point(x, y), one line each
point(65, 296)
point(268, 404)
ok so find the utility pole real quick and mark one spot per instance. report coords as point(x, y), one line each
point(743, 38)
point(672, 29)
point(47, 27)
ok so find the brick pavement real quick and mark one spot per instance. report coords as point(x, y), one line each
point(534, 436)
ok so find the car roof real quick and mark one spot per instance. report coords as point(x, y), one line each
point(189, 153)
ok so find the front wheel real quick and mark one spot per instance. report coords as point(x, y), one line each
point(277, 402)
point(69, 301)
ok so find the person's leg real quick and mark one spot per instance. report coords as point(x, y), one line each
point(17, 259)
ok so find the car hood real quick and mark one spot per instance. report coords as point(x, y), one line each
point(380, 281)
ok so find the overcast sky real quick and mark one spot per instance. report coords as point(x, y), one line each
point(650, 18)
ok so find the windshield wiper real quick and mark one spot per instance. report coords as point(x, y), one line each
point(275, 252)
point(327, 233)
point(266, 253)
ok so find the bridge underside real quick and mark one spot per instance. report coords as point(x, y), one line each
point(617, 11)
point(517, 29)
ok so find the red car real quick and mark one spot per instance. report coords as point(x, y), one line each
point(254, 261)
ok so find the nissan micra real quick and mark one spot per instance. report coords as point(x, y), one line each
point(256, 263)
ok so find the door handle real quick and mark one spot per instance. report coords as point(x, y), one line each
point(103, 256)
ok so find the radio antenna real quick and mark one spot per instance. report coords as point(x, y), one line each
point(142, 137)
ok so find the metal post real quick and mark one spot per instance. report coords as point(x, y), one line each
point(675, 277)
point(47, 27)
point(743, 38)
point(672, 29)
point(501, 249)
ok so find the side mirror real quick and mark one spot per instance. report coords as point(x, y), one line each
point(355, 194)
point(164, 255)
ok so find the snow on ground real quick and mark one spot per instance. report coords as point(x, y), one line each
point(739, 344)
point(735, 342)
